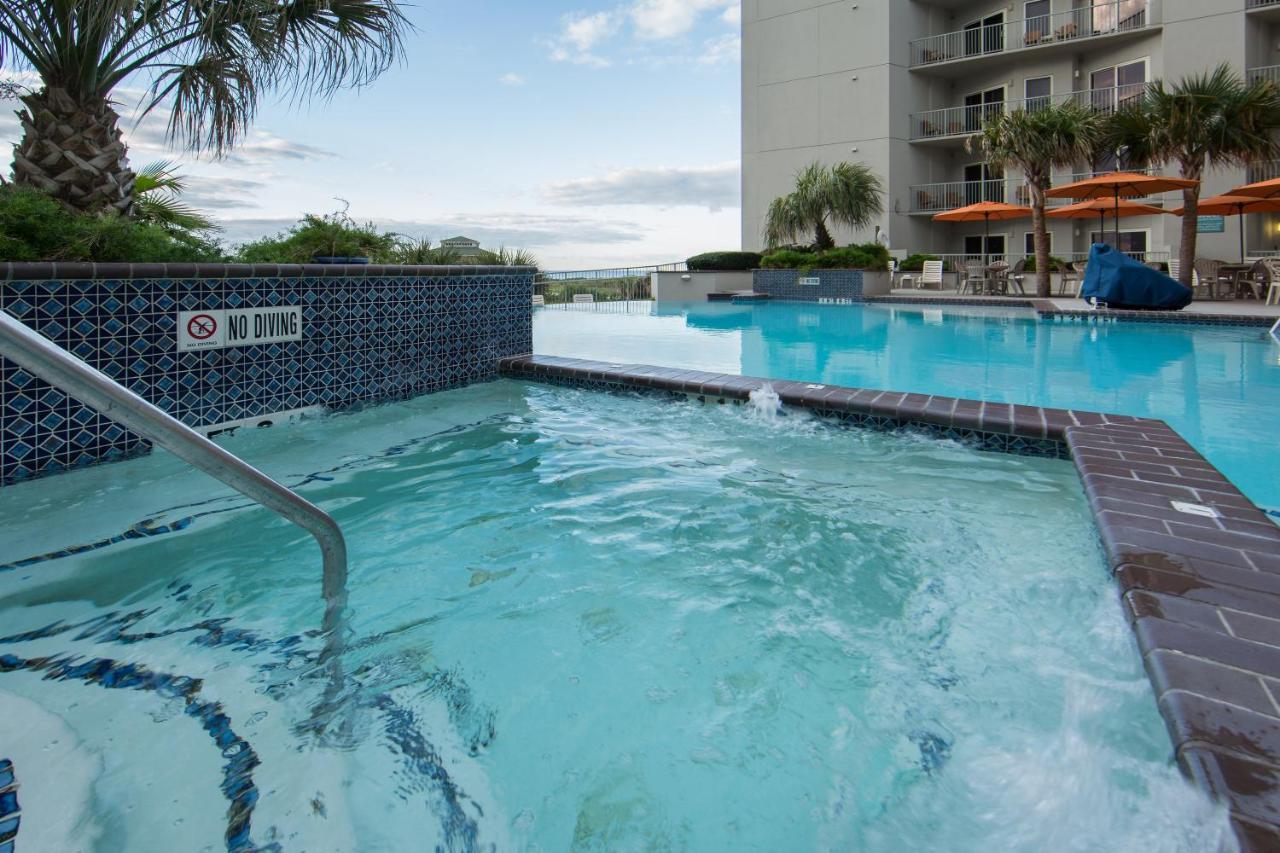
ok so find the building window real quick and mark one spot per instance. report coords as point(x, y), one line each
point(977, 246)
point(1038, 91)
point(1117, 85)
point(1038, 22)
point(1030, 243)
point(1131, 242)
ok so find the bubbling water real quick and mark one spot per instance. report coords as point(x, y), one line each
point(765, 404)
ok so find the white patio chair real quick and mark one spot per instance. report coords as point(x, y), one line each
point(1175, 273)
point(931, 273)
point(584, 298)
point(539, 299)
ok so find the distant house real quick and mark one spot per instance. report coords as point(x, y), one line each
point(465, 247)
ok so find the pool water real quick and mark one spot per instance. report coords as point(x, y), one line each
point(1218, 386)
point(587, 622)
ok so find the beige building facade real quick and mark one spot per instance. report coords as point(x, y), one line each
point(900, 85)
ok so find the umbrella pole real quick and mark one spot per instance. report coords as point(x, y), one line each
point(1102, 226)
point(1117, 219)
point(1240, 216)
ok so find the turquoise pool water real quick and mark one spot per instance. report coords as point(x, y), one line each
point(1219, 387)
point(583, 622)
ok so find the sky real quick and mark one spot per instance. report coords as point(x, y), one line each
point(593, 133)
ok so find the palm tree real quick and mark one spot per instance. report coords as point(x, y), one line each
point(1210, 120)
point(1037, 142)
point(847, 194)
point(208, 63)
point(157, 190)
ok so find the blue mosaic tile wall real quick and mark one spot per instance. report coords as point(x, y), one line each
point(833, 284)
point(365, 339)
point(10, 812)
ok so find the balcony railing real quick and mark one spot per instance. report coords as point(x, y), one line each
point(1100, 19)
point(1258, 4)
point(941, 197)
point(963, 121)
point(1270, 73)
point(1267, 170)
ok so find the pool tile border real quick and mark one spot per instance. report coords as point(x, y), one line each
point(1048, 310)
point(1201, 592)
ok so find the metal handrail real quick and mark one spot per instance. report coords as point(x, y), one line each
point(45, 359)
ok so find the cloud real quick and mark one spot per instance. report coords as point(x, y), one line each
point(663, 19)
point(223, 193)
point(579, 35)
point(583, 35)
point(522, 230)
point(724, 50)
point(511, 79)
point(714, 187)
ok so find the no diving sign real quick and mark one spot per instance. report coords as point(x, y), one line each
point(201, 330)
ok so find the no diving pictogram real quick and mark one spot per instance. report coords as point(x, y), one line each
point(202, 327)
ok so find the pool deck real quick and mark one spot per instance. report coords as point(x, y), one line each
point(1227, 312)
point(1198, 564)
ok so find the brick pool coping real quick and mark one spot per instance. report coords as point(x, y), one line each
point(1048, 309)
point(1202, 594)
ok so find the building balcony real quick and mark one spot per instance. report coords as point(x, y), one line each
point(931, 199)
point(1059, 29)
point(1267, 170)
point(1270, 73)
point(954, 124)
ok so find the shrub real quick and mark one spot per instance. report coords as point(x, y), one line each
point(871, 256)
point(334, 235)
point(789, 259)
point(915, 263)
point(724, 262)
point(37, 227)
point(1055, 264)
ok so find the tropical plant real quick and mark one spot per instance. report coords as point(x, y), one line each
point(868, 256)
point(332, 235)
point(36, 227)
point(505, 257)
point(1209, 120)
point(422, 253)
point(724, 262)
point(158, 190)
point(1036, 142)
point(847, 194)
point(209, 64)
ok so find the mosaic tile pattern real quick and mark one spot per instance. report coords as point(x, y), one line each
point(784, 285)
point(10, 811)
point(1197, 562)
point(365, 339)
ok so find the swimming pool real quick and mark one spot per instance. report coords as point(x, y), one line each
point(584, 621)
point(1218, 386)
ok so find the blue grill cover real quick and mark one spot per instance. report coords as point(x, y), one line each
point(1121, 282)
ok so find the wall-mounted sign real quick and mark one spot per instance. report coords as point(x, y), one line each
point(810, 281)
point(1211, 225)
point(201, 330)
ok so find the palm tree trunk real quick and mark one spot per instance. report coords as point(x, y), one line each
point(72, 149)
point(1044, 275)
point(822, 239)
point(1190, 231)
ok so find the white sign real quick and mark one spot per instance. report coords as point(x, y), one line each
point(201, 330)
point(810, 282)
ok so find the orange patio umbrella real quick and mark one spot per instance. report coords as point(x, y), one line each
point(985, 211)
point(1117, 184)
point(1262, 189)
point(1234, 205)
point(1100, 207)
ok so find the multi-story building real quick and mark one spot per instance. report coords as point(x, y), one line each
point(901, 84)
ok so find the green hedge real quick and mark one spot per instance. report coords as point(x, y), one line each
point(915, 263)
point(724, 262)
point(869, 256)
point(36, 227)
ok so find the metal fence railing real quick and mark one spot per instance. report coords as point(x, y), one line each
point(1099, 19)
point(602, 286)
point(1270, 73)
point(949, 195)
point(968, 120)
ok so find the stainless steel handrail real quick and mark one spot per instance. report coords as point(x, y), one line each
point(45, 359)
